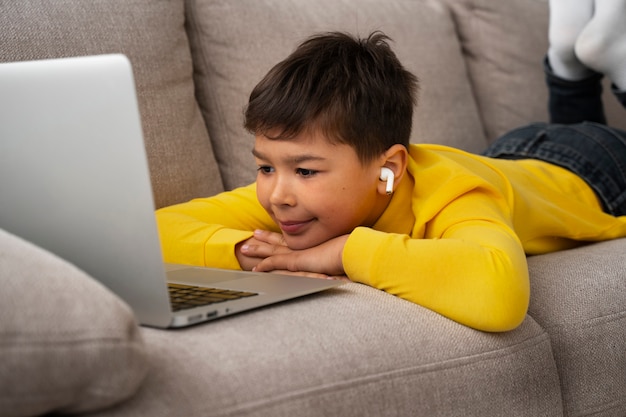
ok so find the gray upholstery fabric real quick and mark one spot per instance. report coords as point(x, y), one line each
point(352, 351)
point(152, 35)
point(234, 44)
point(579, 298)
point(66, 343)
point(505, 42)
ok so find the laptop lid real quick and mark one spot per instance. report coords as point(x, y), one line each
point(74, 179)
point(70, 131)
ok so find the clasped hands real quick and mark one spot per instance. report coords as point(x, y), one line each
point(267, 252)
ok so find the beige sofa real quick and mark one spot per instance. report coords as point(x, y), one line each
point(69, 345)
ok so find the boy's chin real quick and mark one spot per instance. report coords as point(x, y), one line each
point(301, 242)
point(299, 245)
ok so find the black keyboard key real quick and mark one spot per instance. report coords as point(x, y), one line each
point(189, 296)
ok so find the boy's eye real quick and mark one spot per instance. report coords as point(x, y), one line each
point(265, 169)
point(306, 172)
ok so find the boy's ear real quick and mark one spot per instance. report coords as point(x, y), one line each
point(396, 159)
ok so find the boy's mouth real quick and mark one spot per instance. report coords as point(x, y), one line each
point(294, 227)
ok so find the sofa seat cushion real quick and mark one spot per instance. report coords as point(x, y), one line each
point(350, 351)
point(152, 35)
point(67, 343)
point(579, 298)
point(234, 44)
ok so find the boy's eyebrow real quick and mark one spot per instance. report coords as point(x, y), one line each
point(297, 159)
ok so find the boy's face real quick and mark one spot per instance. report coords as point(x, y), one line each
point(316, 190)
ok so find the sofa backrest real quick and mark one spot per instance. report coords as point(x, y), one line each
point(234, 44)
point(152, 34)
point(504, 43)
point(196, 61)
point(479, 63)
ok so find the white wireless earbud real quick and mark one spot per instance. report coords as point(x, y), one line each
point(387, 175)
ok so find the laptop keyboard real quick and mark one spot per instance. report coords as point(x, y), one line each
point(189, 296)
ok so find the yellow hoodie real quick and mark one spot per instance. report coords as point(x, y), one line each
point(453, 238)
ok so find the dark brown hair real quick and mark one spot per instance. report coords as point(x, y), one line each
point(355, 91)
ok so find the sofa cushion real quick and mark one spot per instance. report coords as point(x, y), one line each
point(504, 43)
point(151, 33)
point(350, 351)
point(67, 343)
point(234, 44)
point(579, 298)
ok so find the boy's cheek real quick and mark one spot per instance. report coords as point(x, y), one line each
point(261, 197)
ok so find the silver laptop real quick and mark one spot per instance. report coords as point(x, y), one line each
point(74, 179)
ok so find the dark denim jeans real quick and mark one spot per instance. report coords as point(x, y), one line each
point(577, 139)
point(595, 152)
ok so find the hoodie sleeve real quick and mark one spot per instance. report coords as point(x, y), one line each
point(468, 266)
point(205, 231)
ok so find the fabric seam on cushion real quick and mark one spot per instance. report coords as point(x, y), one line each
point(620, 315)
point(388, 375)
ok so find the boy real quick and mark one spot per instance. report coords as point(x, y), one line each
point(340, 192)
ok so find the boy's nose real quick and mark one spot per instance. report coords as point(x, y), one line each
point(282, 193)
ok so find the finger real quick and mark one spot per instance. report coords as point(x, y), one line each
point(291, 261)
point(272, 238)
point(263, 250)
point(303, 274)
point(277, 262)
point(341, 278)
